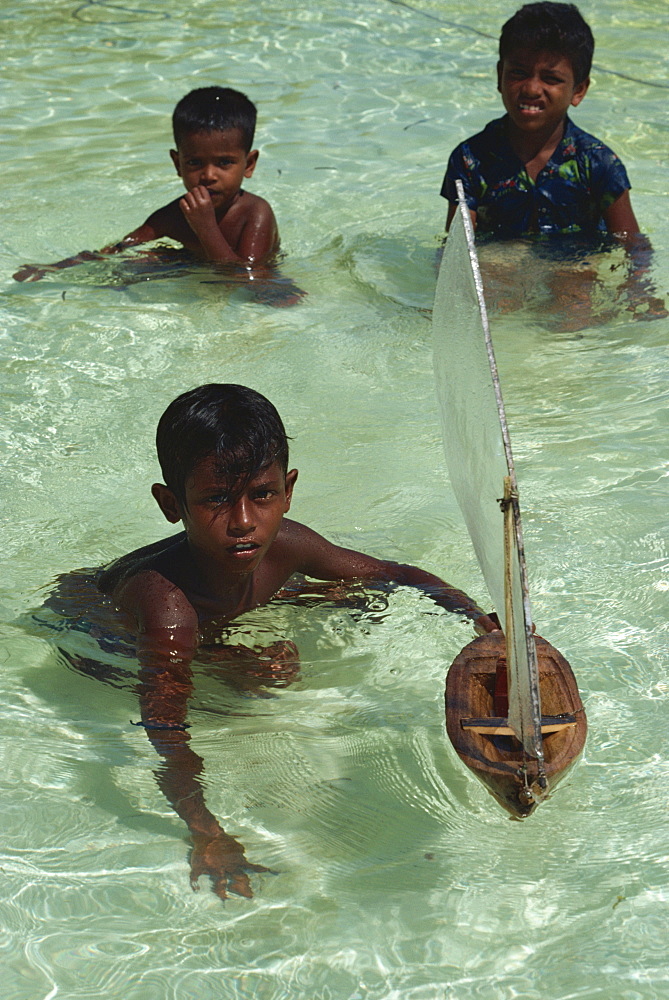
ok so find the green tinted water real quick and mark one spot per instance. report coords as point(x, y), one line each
point(398, 875)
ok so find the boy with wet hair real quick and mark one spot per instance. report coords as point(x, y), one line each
point(214, 109)
point(223, 452)
point(216, 219)
point(534, 171)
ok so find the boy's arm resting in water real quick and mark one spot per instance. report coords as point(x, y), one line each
point(638, 287)
point(322, 560)
point(34, 272)
point(143, 234)
point(167, 641)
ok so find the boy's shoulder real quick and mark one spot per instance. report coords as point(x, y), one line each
point(492, 137)
point(298, 541)
point(251, 207)
point(251, 202)
point(156, 601)
point(144, 559)
point(158, 584)
point(291, 550)
point(577, 141)
point(147, 584)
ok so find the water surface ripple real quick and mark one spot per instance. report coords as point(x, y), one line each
point(393, 874)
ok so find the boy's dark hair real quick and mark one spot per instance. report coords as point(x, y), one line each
point(241, 428)
point(550, 27)
point(214, 109)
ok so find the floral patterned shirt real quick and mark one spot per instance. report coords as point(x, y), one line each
point(579, 182)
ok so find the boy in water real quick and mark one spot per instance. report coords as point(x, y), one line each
point(224, 455)
point(534, 170)
point(216, 219)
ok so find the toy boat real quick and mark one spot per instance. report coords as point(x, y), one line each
point(513, 711)
point(477, 722)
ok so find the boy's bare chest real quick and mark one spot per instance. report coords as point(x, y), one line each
point(251, 592)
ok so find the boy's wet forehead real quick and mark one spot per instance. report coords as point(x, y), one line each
point(215, 471)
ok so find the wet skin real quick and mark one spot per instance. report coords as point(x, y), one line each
point(216, 219)
point(236, 552)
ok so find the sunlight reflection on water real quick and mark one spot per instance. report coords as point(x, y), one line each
point(398, 877)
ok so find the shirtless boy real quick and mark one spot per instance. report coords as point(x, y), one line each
point(216, 219)
point(224, 456)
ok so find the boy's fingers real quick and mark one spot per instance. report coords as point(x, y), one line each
point(195, 872)
point(224, 882)
point(225, 879)
point(199, 195)
point(218, 885)
point(241, 885)
point(29, 272)
point(486, 623)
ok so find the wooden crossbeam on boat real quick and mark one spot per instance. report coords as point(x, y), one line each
point(501, 727)
point(496, 757)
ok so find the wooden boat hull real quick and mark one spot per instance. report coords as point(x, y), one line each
point(499, 761)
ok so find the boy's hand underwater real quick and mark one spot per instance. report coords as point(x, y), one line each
point(30, 272)
point(222, 858)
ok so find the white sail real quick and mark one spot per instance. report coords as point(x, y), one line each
point(480, 463)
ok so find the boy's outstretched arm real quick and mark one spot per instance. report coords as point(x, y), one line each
point(143, 234)
point(168, 635)
point(322, 560)
point(165, 687)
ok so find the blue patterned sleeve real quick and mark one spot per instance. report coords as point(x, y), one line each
point(459, 167)
point(611, 176)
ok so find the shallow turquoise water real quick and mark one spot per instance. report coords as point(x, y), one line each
point(398, 876)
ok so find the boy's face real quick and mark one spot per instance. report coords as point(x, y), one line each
point(538, 89)
point(231, 535)
point(216, 161)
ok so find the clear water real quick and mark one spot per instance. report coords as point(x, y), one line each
point(398, 876)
